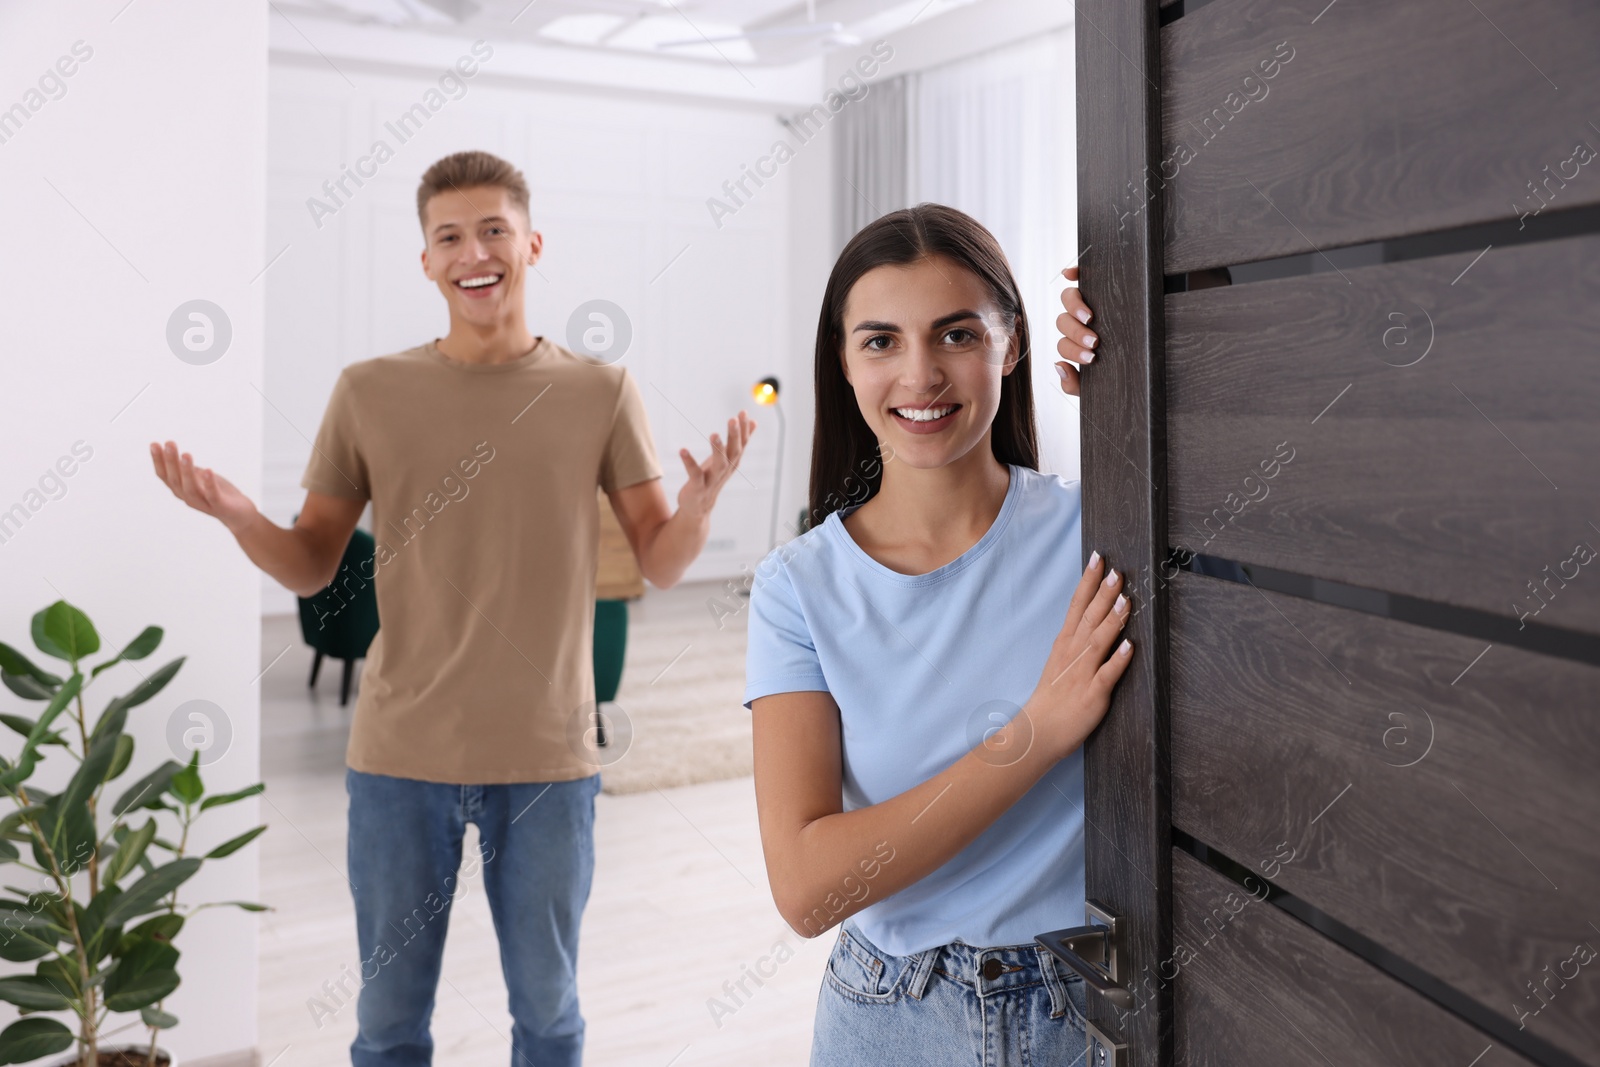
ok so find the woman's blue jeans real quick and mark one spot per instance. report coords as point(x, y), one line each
point(950, 1006)
point(537, 857)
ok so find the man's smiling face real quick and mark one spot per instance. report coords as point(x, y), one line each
point(479, 246)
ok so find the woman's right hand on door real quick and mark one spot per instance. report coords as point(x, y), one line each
point(1075, 689)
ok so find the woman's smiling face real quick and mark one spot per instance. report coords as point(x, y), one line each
point(925, 348)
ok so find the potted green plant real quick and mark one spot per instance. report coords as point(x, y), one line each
point(103, 916)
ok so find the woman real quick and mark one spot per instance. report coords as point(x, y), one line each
point(920, 684)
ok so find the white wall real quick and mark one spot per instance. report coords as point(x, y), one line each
point(138, 188)
point(619, 183)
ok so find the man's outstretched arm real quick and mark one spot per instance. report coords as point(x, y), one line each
point(666, 542)
point(303, 558)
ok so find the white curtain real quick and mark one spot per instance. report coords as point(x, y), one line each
point(994, 136)
point(869, 159)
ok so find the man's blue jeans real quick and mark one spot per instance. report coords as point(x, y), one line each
point(537, 858)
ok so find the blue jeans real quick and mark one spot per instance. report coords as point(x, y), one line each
point(947, 1007)
point(537, 856)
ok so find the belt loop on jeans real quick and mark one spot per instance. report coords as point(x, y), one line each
point(922, 972)
point(1054, 980)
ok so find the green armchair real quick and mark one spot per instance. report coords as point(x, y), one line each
point(610, 647)
point(342, 619)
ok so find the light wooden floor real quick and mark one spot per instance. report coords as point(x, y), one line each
point(680, 907)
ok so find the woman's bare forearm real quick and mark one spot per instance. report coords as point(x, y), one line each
point(839, 864)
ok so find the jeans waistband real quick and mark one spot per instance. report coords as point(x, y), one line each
point(987, 971)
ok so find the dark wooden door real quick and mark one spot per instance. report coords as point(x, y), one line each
point(1344, 438)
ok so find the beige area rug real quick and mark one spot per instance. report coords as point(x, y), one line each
point(679, 716)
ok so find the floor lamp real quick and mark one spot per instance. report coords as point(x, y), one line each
point(766, 393)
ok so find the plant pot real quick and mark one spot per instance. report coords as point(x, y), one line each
point(71, 1059)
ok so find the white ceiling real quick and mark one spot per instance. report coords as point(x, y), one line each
point(758, 32)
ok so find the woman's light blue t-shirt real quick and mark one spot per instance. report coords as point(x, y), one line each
point(922, 668)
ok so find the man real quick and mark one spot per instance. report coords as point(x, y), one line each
point(480, 453)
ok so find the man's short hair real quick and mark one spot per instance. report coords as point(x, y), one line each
point(463, 170)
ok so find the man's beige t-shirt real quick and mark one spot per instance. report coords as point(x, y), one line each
point(482, 481)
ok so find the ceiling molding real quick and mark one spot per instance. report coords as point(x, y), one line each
point(350, 49)
point(961, 33)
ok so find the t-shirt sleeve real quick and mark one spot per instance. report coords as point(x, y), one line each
point(337, 466)
point(780, 656)
point(630, 456)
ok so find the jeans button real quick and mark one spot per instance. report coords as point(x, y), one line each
point(992, 969)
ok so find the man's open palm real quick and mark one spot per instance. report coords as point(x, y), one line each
point(706, 479)
point(201, 487)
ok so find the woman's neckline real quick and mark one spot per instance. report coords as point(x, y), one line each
point(938, 574)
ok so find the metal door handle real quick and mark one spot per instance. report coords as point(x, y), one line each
point(1093, 952)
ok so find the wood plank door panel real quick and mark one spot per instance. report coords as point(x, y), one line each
point(1441, 429)
point(1430, 799)
point(1294, 126)
point(1243, 971)
point(1400, 446)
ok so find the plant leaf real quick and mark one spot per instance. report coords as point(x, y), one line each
point(31, 991)
point(25, 934)
point(22, 947)
point(162, 927)
point(25, 915)
point(146, 792)
point(61, 974)
point(142, 990)
point(157, 1019)
point(144, 974)
point(130, 851)
point(93, 928)
point(186, 784)
point(153, 684)
point(144, 644)
point(146, 954)
point(32, 1039)
point(122, 757)
point(42, 640)
point(91, 773)
point(67, 630)
point(25, 687)
point(145, 894)
point(244, 904)
point(229, 847)
point(9, 853)
point(19, 771)
point(12, 827)
point(138, 648)
point(14, 662)
point(70, 833)
point(228, 798)
point(24, 726)
point(47, 903)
